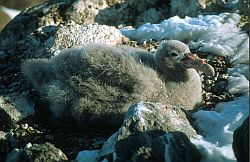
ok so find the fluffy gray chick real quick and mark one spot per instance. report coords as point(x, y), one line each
point(96, 84)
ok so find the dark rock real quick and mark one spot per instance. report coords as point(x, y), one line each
point(31, 19)
point(241, 142)
point(4, 145)
point(152, 132)
point(157, 146)
point(14, 108)
point(37, 152)
point(219, 87)
point(176, 147)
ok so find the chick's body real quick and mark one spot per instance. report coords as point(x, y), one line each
point(96, 84)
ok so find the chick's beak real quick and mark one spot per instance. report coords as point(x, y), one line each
point(191, 61)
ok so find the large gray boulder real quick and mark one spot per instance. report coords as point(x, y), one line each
point(50, 40)
point(241, 142)
point(37, 153)
point(187, 7)
point(151, 132)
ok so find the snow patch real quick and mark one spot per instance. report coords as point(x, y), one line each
point(238, 84)
point(242, 69)
point(138, 110)
point(218, 127)
point(87, 156)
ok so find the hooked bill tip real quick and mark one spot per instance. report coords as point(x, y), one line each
point(208, 69)
point(192, 61)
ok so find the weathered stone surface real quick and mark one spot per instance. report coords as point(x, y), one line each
point(31, 19)
point(129, 12)
point(37, 152)
point(49, 40)
point(84, 11)
point(14, 108)
point(152, 132)
point(151, 15)
point(187, 7)
point(241, 142)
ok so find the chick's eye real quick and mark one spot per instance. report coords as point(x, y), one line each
point(174, 54)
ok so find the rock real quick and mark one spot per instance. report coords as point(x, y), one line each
point(241, 142)
point(31, 19)
point(14, 108)
point(187, 7)
point(219, 87)
point(130, 12)
point(151, 15)
point(92, 33)
point(85, 11)
point(4, 19)
point(37, 152)
point(53, 13)
point(48, 41)
point(4, 145)
point(152, 132)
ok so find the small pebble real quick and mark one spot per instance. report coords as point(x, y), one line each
point(209, 82)
point(24, 126)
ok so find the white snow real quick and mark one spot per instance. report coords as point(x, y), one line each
point(137, 111)
point(212, 152)
point(238, 84)
point(242, 69)
point(218, 127)
point(87, 156)
point(11, 12)
point(216, 35)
